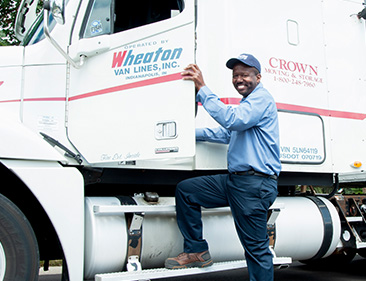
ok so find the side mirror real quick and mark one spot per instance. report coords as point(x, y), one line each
point(57, 9)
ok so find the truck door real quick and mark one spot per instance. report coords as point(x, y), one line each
point(128, 101)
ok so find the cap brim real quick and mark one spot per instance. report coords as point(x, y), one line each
point(232, 62)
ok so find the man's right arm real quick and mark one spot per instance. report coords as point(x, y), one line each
point(217, 135)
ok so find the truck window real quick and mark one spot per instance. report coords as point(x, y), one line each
point(99, 18)
point(142, 12)
point(136, 13)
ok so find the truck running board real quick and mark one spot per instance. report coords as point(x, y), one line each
point(166, 205)
point(147, 274)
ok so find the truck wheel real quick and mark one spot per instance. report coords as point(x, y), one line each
point(19, 256)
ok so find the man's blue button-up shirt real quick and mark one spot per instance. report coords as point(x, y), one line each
point(250, 129)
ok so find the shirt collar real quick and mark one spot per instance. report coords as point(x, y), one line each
point(259, 86)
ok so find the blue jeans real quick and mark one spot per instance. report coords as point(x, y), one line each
point(249, 198)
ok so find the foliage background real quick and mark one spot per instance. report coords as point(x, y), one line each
point(8, 12)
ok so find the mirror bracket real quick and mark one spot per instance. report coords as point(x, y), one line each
point(49, 5)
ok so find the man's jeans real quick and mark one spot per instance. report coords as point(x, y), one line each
point(249, 198)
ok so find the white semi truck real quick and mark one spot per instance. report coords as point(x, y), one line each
point(97, 127)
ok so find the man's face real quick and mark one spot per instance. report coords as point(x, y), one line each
point(245, 79)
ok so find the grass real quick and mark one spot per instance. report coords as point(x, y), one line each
point(52, 263)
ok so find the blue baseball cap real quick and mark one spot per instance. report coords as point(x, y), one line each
point(247, 59)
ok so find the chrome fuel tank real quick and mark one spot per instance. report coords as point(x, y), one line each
point(305, 228)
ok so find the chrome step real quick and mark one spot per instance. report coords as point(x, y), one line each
point(165, 206)
point(147, 274)
point(354, 219)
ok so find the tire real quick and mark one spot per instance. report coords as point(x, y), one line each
point(19, 255)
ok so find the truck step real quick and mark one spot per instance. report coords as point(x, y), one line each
point(360, 245)
point(147, 274)
point(156, 208)
point(354, 219)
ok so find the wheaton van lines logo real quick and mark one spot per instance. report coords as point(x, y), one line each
point(134, 65)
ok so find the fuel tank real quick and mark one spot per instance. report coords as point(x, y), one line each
point(306, 228)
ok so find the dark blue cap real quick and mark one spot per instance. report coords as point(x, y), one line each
point(247, 59)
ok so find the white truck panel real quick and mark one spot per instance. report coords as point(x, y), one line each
point(65, 207)
point(129, 103)
point(345, 38)
point(19, 142)
point(44, 100)
point(303, 59)
point(11, 56)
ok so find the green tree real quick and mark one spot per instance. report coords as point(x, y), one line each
point(8, 12)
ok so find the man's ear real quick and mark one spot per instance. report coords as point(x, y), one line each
point(259, 76)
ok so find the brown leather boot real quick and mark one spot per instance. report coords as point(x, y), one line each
point(186, 260)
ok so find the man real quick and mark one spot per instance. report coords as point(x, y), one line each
point(250, 187)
